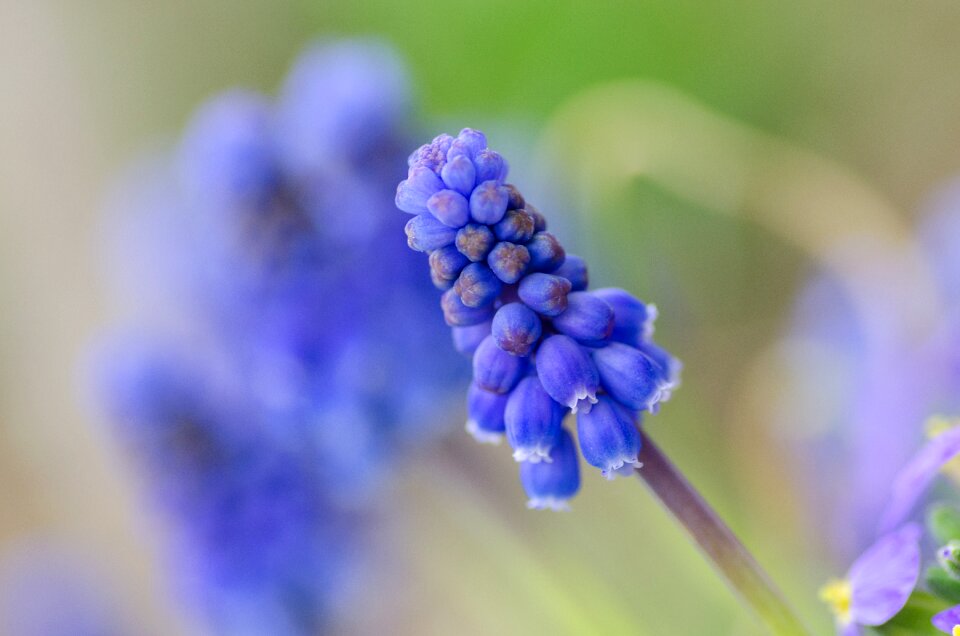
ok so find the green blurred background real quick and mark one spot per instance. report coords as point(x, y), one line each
point(865, 89)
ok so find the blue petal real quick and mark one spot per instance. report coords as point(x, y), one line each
point(532, 421)
point(883, 577)
point(414, 191)
point(567, 373)
point(946, 620)
point(550, 485)
point(914, 479)
point(516, 329)
point(609, 438)
point(588, 318)
point(496, 370)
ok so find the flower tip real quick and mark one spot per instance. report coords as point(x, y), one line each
point(582, 401)
point(533, 455)
point(483, 436)
point(549, 503)
point(624, 468)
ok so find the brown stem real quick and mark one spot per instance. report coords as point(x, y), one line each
point(717, 541)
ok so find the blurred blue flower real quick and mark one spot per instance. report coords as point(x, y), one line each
point(869, 381)
point(948, 621)
point(49, 590)
point(517, 304)
point(878, 583)
point(915, 478)
point(266, 389)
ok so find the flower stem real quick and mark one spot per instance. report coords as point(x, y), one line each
point(717, 541)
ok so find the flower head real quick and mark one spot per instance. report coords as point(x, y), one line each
point(518, 303)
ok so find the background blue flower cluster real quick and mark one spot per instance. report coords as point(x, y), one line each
point(261, 379)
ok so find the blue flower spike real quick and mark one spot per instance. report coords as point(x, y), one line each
point(542, 345)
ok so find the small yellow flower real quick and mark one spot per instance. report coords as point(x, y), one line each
point(837, 594)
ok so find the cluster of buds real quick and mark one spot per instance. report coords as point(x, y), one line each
point(542, 345)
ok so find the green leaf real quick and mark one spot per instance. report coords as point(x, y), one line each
point(942, 584)
point(914, 618)
point(944, 523)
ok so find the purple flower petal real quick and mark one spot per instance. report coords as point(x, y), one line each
point(946, 620)
point(850, 629)
point(883, 577)
point(916, 476)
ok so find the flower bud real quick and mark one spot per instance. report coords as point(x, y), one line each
point(516, 226)
point(629, 376)
point(546, 253)
point(588, 318)
point(432, 155)
point(539, 221)
point(609, 439)
point(550, 485)
point(670, 368)
point(544, 293)
point(475, 241)
point(515, 200)
point(496, 370)
point(490, 166)
point(508, 261)
point(459, 174)
point(456, 314)
point(425, 233)
point(440, 282)
point(516, 329)
point(468, 143)
point(485, 414)
point(574, 269)
point(948, 556)
point(488, 202)
point(450, 208)
point(413, 192)
point(477, 286)
point(467, 339)
point(632, 319)
point(447, 262)
point(567, 373)
point(532, 421)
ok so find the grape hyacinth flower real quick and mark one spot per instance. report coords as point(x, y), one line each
point(543, 346)
point(537, 335)
point(266, 392)
point(878, 583)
